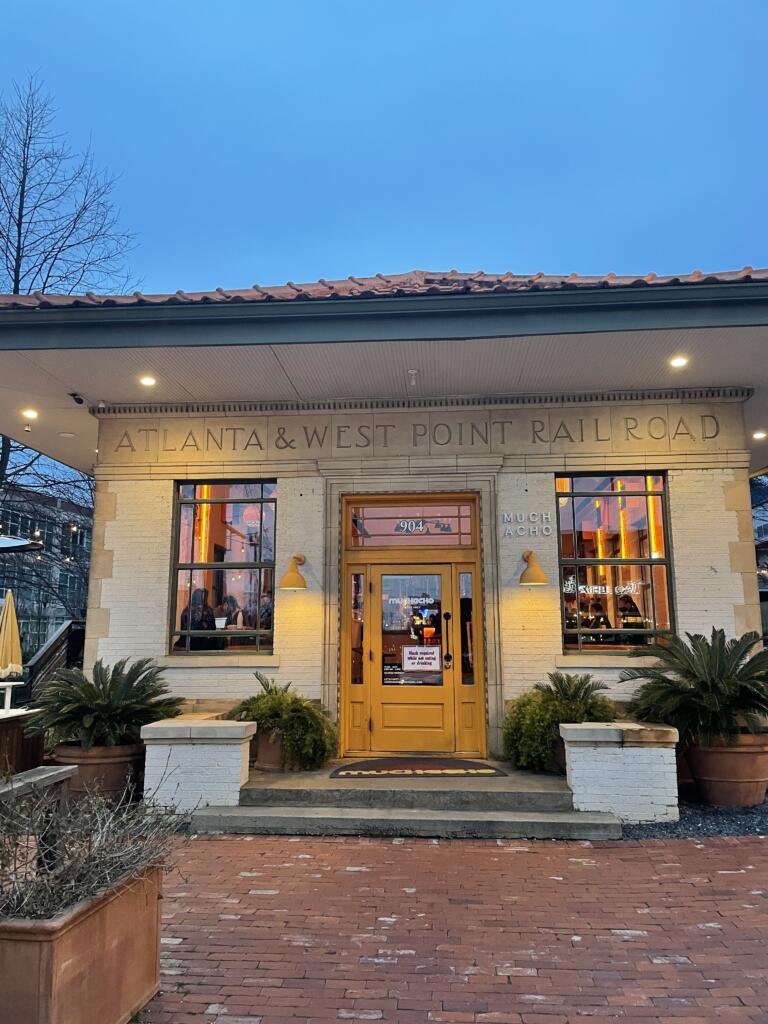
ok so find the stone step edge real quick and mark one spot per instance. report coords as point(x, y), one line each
point(552, 824)
point(523, 800)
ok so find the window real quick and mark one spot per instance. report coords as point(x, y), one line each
point(224, 567)
point(614, 560)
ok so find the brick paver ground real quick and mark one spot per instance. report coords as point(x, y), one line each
point(281, 930)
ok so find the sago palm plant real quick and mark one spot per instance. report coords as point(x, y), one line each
point(108, 710)
point(706, 689)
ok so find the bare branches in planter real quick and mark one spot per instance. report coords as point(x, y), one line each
point(72, 873)
point(96, 723)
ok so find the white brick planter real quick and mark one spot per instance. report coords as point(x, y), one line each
point(195, 760)
point(623, 767)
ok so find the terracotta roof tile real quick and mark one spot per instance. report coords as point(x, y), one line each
point(416, 283)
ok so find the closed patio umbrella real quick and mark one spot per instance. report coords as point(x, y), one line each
point(10, 647)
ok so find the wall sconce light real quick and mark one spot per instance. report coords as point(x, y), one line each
point(532, 575)
point(293, 580)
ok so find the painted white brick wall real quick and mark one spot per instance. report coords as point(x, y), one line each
point(189, 775)
point(708, 591)
point(137, 592)
point(530, 624)
point(634, 783)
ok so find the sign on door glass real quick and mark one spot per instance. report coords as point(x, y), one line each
point(411, 630)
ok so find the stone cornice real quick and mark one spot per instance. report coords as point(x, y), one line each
point(707, 394)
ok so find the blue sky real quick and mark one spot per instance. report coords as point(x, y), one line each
point(266, 141)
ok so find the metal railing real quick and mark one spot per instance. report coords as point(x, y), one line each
point(64, 649)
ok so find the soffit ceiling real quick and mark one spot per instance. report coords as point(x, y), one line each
point(486, 367)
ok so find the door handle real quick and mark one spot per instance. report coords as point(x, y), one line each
point(448, 657)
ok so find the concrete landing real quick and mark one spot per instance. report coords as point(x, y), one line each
point(517, 791)
point(388, 821)
point(520, 805)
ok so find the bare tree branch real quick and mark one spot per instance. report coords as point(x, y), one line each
point(59, 229)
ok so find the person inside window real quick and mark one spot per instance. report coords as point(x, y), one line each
point(233, 612)
point(571, 611)
point(198, 615)
point(598, 620)
point(631, 618)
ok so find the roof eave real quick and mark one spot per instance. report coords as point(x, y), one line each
point(531, 312)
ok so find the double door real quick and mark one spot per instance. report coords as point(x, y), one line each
point(415, 684)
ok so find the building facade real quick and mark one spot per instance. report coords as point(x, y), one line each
point(418, 530)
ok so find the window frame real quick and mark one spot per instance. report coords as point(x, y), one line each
point(261, 635)
point(577, 562)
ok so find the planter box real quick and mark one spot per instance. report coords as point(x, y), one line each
point(97, 963)
point(18, 753)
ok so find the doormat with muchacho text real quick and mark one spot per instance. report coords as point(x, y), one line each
point(415, 768)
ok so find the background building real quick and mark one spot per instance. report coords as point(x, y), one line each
point(50, 586)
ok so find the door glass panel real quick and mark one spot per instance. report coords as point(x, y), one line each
point(358, 628)
point(467, 625)
point(411, 630)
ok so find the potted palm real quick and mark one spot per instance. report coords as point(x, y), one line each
point(96, 723)
point(531, 726)
point(715, 693)
point(293, 733)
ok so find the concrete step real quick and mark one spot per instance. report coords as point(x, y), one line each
point(445, 824)
point(419, 795)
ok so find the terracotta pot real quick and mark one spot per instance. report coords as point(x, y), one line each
point(732, 774)
point(106, 769)
point(97, 963)
point(268, 753)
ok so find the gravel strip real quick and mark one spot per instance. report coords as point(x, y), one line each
point(697, 820)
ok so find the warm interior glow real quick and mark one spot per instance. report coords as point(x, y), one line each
point(30, 414)
point(678, 362)
point(148, 381)
point(759, 435)
point(599, 538)
point(654, 526)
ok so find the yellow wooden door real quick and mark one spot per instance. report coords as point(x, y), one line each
point(412, 659)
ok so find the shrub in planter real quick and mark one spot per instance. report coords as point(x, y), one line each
point(293, 733)
point(715, 693)
point(80, 890)
point(96, 723)
point(531, 735)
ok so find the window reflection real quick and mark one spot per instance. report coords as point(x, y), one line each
point(224, 567)
point(358, 628)
point(614, 578)
point(467, 635)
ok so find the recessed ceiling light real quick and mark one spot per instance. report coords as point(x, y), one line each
point(29, 414)
point(760, 435)
point(147, 381)
point(678, 362)
point(66, 433)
